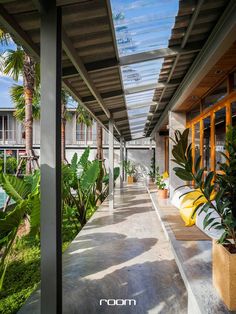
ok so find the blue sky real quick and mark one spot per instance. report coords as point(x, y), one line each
point(5, 83)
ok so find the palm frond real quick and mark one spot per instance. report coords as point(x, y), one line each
point(12, 63)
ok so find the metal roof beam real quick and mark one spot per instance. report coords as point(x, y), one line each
point(78, 64)
point(144, 88)
point(9, 24)
point(71, 71)
point(219, 41)
point(106, 95)
point(159, 53)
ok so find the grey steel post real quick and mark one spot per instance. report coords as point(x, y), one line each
point(121, 162)
point(111, 165)
point(51, 244)
point(125, 159)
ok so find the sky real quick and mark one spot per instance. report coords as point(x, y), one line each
point(6, 82)
point(142, 26)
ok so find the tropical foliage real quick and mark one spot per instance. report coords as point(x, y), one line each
point(219, 189)
point(25, 194)
point(79, 186)
point(129, 167)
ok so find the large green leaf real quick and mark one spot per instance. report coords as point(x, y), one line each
point(84, 158)
point(90, 176)
point(15, 187)
point(116, 175)
point(12, 219)
point(74, 162)
point(34, 204)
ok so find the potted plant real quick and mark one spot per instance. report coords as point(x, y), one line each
point(161, 185)
point(130, 170)
point(220, 192)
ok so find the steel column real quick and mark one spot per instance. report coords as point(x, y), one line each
point(111, 165)
point(51, 244)
point(121, 162)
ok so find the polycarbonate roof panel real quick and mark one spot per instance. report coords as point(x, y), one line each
point(142, 26)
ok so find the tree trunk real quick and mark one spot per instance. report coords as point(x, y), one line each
point(63, 133)
point(99, 142)
point(28, 81)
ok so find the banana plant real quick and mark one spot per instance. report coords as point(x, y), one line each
point(79, 184)
point(25, 196)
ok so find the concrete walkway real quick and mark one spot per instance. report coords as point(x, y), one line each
point(121, 255)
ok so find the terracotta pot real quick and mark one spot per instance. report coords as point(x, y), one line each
point(162, 193)
point(224, 274)
point(130, 179)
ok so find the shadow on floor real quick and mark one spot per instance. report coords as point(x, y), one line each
point(156, 286)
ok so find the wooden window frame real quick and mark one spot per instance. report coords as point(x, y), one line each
point(210, 112)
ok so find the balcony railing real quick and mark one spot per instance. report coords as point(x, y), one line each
point(9, 137)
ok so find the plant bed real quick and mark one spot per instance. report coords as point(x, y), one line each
point(224, 274)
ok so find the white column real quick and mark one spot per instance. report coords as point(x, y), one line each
point(177, 121)
point(160, 152)
point(111, 165)
point(121, 162)
point(125, 159)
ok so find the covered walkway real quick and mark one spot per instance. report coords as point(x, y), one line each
point(121, 254)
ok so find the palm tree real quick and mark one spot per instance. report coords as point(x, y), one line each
point(15, 63)
point(99, 142)
point(17, 97)
point(83, 117)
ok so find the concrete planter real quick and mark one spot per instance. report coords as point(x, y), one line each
point(130, 180)
point(224, 274)
point(162, 194)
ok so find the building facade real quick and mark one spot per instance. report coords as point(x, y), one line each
point(78, 137)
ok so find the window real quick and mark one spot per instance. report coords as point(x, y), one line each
point(217, 94)
point(233, 113)
point(4, 127)
point(220, 133)
point(80, 132)
point(197, 141)
point(207, 143)
point(193, 113)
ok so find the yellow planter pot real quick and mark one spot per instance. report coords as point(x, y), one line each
point(162, 193)
point(130, 180)
point(224, 274)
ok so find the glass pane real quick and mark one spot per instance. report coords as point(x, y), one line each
point(216, 95)
point(193, 113)
point(220, 132)
point(142, 26)
point(207, 143)
point(233, 113)
point(197, 140)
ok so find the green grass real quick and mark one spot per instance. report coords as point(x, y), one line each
point(23, 272)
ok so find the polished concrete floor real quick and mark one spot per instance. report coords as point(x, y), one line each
point(121, 254)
